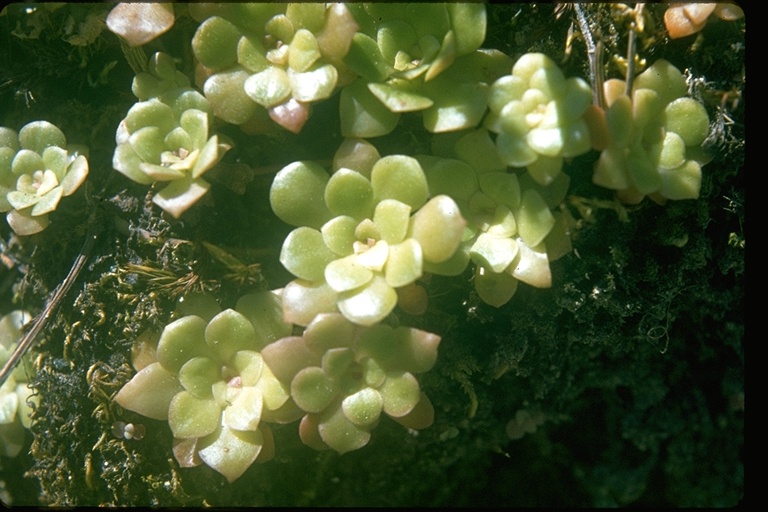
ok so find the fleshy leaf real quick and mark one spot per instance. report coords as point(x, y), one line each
point(438, 227)
point(339, 234)
point(287, 356)
point(362, 114)
point(314, 85)
point(231, 452)
point(304, 300)
point(180, 341)
point(421, 416)
point(265, 312)
point(244, 410)
point(369, 304)
point(534, 219)
point(269, 87)
point(305, 255)
point(346, 274)
point(391, 217)
point(400, 393)
point(404, 264)
point(400, 177)
point(76, 174)
point(38, 135)
point(364, 407)
point(193, 417)
point(215, 43)
point(349, 193)
point(150, 392)
point(24, 224)
point(681, 183)
point(229, 332)
point(336, 362)
point(338, 432)
point(397, 100)
point(198, 375)
point(312, 390)
point(297, 195)
point(495, 289)
point(329, 331)
point(532, 266)
point(248, 365)
point(688, 118)
point(179, 195)
point(493, 253)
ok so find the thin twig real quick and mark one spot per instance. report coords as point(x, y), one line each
point(595, 55)
point(630, 61)
point(38, 323)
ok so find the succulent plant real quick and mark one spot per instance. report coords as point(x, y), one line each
point(166, 137)
point(37, 169)
point(140, 23)
point(362, 233)
point(538, 116)
point(418, 57)
point(344, 376)
point(513, 232)
point(650, 141)
point(15, 393)
point(160, 77)
point(207, 378)
point(274, 59)
point(686, 18)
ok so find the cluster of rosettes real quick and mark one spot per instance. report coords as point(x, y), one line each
point(650, 142)
point(165, 137)
point(490, 194)
point(418, 57)
point(207, 378)
point(538, 116)
point(364, 231)
point(515, 227)
point(344, 376)
point(37, 169)
point(15, 393)
point(220, 377)
point(272, 58)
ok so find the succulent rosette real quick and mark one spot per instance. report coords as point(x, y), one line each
point(166, 138)
point(160, 77)
point(208, 379)
point(37, 169)
point(418, 57)
point(361, 233)
point(537, 115)
point(651, 141)
point(273, 58)
point(514, 227)
point(15, 393)
point(345, 377)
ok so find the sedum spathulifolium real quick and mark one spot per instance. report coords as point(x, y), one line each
point(537, 115)
point(258, 62)
point(363, 231)
point(37, 169)
point(344, 377)
point(208, 379)
point(165, 137)
point(514, 226)
point(418, 57)
point(650, 142)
